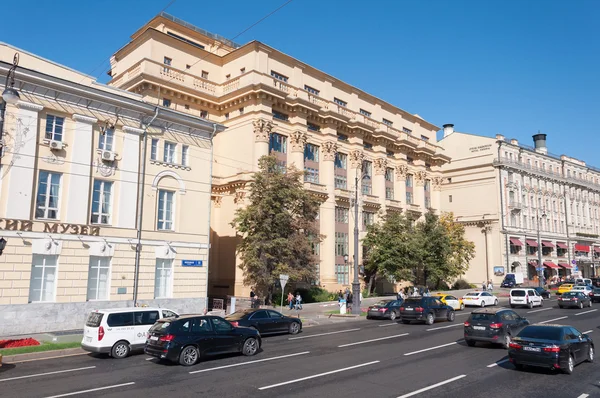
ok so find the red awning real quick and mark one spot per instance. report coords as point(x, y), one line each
point(545, 243)
point(531, 242)
point(516, 242)
point(596, 249)
point(562, 245)
point(565, 265)
point(550, 264)
point(582, 248)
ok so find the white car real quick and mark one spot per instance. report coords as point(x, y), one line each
point(525, 297)
point(480, 299)
point(583, 289)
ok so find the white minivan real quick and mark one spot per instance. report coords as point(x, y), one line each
point(526, 297)
point(118, 331)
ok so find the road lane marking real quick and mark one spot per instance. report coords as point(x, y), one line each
point(47, 373)
point(464, 313)
point(555, 319)
point(372, 340)
point(588, 332)
point(543, 309)
point(431, 387)
point(388, 324)
point(249, 362)
point(497, 363)
point(92, 390)
point(583, 396)
point(586, 312)
point(446, 327)
point(318, 375)
point(431, 348)
point(149, 359)
point(323, 334)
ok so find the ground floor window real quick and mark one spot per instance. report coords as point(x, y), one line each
point(98, 278)
point(42, 286)
point(342, 274)
point(163, 283)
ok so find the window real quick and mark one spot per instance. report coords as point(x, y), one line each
point(242, 71)
point(389, 193)
point(42, 285)
point(340, 182)
point(341, 159)
point(163, 278)
point(154, 149)
point(98, 278)
point(342, 137)
point(188, 66)
point(186, 106)
point(313, 127)
point(427, 185)
point(409, 181)
point(145, 317)
point(389, 174)
point(204, 74)
point(342, 273)
point(280, 116)
point(366, 113)
point(341, 214)
point(185, 160)
point(407, 131)
point(204, 114)
point(390, 154)
point(341, 243)
point(311, 90)
point(169, 153)
point(311, 152)
point(279, 76)
point(120, 319)
point(165, 210)
point(106, 140)
point(367, 145)
point(427, 166)
point(449, 198)
point(221, 325)
point(185, 40)
point(167, 61)
point(101, 202)
point(367, 169)
point(47, 195)
point(368, 219)
point(424, 138)
point(340, 102)
point(409, 198)
point(227, 116)
point(277, 143)
point(227, 77)
point(311, 175)
point(388, 122)
point(54, 127)
point(166, 102)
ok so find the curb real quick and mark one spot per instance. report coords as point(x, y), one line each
point(42, 355)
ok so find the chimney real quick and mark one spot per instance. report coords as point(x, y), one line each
point(499, 137)
point(514, 142)
point(539, 142)
point(448, 129)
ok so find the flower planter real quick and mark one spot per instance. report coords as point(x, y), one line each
point(18, 343)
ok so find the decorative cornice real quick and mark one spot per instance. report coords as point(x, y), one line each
point(262, 129)
point(298, 140)
point(133, 130)
point(84, 119)
point(30, 106)
point(380, 165)
point(329, 149)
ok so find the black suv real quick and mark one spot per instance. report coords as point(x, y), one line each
point(496, 326)
point(428, 309)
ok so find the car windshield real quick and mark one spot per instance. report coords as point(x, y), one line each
point(236, 316)
point(517, 293)
point(472, 294)
point(542, 332)
point(483, 317)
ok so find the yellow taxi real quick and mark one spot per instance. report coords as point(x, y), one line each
point(565, 287)
point(450, 300)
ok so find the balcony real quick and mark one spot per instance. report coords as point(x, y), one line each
point(393, 203)
point(515, 205)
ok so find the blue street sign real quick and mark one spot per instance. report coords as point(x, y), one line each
point(538, 269)
point(191, 263)
point(576, 269)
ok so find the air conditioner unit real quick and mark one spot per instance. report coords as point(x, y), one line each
point(108, 156)
point(56, 145)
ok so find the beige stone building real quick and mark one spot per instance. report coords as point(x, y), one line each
point(274, 103)
point(76, 180)
point(503, 191)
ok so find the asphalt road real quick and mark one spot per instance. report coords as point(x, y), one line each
point(354, 359)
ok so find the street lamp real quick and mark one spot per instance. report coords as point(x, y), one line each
point(355, 282)
point(10, 95)
point(539, 239)
point(346, 258)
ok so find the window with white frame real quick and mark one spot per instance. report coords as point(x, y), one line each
point(167, 62)
point(154, 149)
point(98, 278)
point(163, 280)
point(170, 152)
point(341, 243)
point(311, 174)
point(277, 143)
point(341, 159)
point(368, 219)
point(102, 202)
point(311, 152)
point(341, 214)
point(54, 127)
point(165, 210)
point(42, 285)
point(340, 102)
point(342, 273)
point(106, 140)
point(47, 200)
point(340, 182)
point(185, 159)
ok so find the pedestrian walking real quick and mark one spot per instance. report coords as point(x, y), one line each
point(290, 300)
point(490, 286)
point(252, 298)
point(483, 286)
point(298, 301)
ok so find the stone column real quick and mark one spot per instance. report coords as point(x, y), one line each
point(419, 190)
point(297, 142)
point(262, 131)
point(436, 193)
point(327, 215)
point(400, 183)
point(380, 165)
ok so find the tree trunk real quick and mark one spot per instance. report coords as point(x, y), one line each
point(371, 279)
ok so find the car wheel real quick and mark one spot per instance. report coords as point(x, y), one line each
point(561, 307)
point(294, 328)
point(470, 343)
point(513, 306)
point(581, 305)
point(496, 302)
point(369, 317)
point(506, 342)
point(482, 303)
point(570, 365)
point(250, 347)
point(591, 353)
point(393, 315)
point(405, 321)
point(429, 320)
point(530, 305)
point(189, 356)
point(462, 306)
point(541, 303)
point(451, 316)
point(120, 350)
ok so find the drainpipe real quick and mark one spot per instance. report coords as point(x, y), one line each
point(140, 209)
point(506, 247)
point(212, 149)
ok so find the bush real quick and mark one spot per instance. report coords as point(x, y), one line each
point(315, 294)
point(461, 284)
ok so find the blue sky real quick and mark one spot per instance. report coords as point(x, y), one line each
point(512, 67)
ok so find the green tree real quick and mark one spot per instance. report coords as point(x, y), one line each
point(278, 229)
point(432, 251)
point(462, 251)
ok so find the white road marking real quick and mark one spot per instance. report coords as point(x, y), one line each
point(372, 340)
point(149, 359)
point(555, 319)
point(463, 313)
point(586, 312)
point(497, 363)
point(388, 324)
point(431, 348)
point(45, 359)
point(318, 375)
point(543, 309)
point(588, 332)
point(249, 362)
point(48, 373)
point(323, 334)
point(431, 387)
point(446, 327)
point(583, 396)
point(92, 390)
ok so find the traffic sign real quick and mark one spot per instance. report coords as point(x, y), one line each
point(283, 280)
point(573, 262)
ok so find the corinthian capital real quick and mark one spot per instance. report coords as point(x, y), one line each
point(437, 183)
point(298, 140)
point(329, 148)
point(420, 177)
point(401, 172)
point(356, 158)
point(380, 165)
point(262, 129)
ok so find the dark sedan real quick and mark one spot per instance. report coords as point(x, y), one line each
point(574, 299)
point(595, 295)
point(543, 292)
point(496, 326)
point(265, 321)
point(551, 346)
point(385, 309)
point(428, 309)
point(188, 338)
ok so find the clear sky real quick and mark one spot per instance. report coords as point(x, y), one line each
point(511, 67)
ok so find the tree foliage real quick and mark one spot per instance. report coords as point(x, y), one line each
point(278, 229)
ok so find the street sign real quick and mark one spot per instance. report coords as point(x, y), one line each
point(573, 262)
point(191, 263)
point(283, 280)
point(538, 269)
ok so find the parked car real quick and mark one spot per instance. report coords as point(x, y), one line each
point(495, 326)
point(550, 346)
point(389, 309)
point(512, 280)
point(480, 299)
point(574, 299)
point(265, 321)
point(585, 289)
point(450, 300)
point(565, 287)
point(542, 292)
point(118, 331)
point(186, 339)
point(527, 297)
point(428, 309)
point(595, 295)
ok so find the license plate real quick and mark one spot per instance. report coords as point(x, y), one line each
point(153, 338)
point(534, 349)
point(88, 339)
point(409, 309)
point(479, 327)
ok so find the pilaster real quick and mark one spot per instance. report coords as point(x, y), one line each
point(327, 214)
point(262, 132)
point(297, 143)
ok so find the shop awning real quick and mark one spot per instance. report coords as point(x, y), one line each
point(596, 249)
point(550, 264)
point(533, 263)
point(516, 242)
point(531, 242)
point(582, 248)
point(545, 243)
point(562, 245)
point(565, 265)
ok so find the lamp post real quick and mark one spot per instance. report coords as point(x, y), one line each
point(355, 282)
point(10, 95)
point(539, 239)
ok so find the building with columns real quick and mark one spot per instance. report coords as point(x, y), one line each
point(104, 200)
point(274, 104)
point(505, 192)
